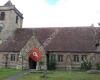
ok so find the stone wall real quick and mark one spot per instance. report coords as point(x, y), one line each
point(5, 60)
point(33, 42)
point(98, 58)
point(22, 56)
point(68, 59)
point(9, 24)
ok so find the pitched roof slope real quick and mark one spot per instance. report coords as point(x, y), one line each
point(17, 42)
point(72, 39)
point(98, 32)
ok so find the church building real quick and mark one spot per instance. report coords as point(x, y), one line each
point(68, 46)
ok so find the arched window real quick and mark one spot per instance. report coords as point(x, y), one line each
point(2, 15)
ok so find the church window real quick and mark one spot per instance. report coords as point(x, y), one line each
point(2, 15)
point(53, 57)
point(76, 58)
point(16, 19)
point(60, 58)
point(12, 58)
point(84, 57)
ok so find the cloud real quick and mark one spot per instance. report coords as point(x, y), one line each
point(38, 13)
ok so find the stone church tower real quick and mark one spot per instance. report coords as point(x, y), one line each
point(16, 42)
point(10, 19)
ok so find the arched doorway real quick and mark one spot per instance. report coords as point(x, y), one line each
point(32, 64)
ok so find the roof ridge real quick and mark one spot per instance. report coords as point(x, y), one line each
point(59, 27)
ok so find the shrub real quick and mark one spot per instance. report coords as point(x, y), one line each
point(85, 65)
point(98, 66)
point(52, 65)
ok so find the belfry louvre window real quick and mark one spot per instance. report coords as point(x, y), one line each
point(60, 58)
point(76, 58)
point(16, 19)
point(2, 15)
point(12, 58)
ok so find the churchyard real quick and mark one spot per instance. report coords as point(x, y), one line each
point(51, 75)
point(5, 73)
point(62, 75)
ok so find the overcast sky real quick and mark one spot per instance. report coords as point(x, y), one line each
point(54, 13)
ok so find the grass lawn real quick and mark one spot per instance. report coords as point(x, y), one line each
point(4, 73)
point(62, 75)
